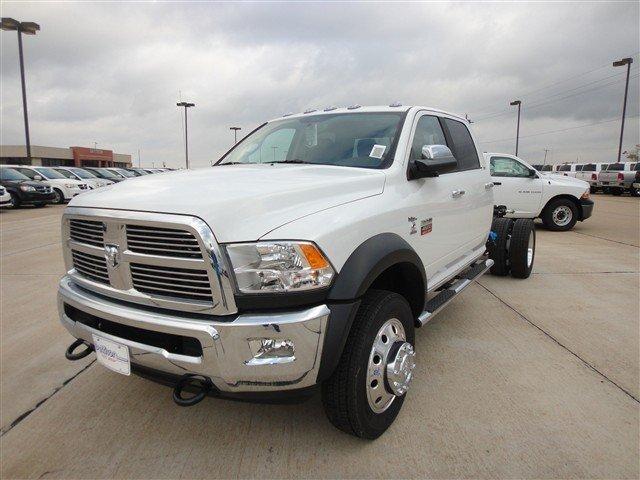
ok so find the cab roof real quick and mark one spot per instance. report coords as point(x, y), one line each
point(394, 107)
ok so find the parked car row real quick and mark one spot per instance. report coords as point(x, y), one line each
point(38, 185)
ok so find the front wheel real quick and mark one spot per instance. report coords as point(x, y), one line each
point(15, 201)
point(367, 389)
point(58, 196)
point(560, 215)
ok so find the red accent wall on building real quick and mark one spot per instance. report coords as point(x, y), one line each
point(83, 155)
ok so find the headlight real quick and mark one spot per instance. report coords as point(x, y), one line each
point(267, 267)
point(27, 188)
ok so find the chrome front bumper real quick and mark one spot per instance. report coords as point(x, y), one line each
point(226, 353)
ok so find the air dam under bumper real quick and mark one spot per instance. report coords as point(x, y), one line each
point(225, 355)
point(587, 208)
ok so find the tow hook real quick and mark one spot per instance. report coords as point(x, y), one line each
point(198, 384)
point(77, 356)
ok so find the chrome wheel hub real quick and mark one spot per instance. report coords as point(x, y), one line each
point(562, 215)
point(530, 248)
point(400, 368)
point(390, 366)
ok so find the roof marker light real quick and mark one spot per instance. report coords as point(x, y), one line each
point(328, 109)
point(353, 107)
point(288, 114)
point(396, 104)
point(310, 110)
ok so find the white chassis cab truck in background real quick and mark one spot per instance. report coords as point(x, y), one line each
point(558, 200)
point(305, 258)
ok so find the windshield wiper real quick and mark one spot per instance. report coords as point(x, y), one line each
point(294, 160)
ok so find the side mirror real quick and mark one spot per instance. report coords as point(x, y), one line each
point(436, 159)
point(37, 178)
point(533, 173)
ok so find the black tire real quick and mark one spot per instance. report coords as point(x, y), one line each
point(635, 192)
point(59, 196)
point(523, 237)
point(15, 201)
point(592, 189)
point(617, 191)
point(560, 222)
point(497, 248)
point(344, 394)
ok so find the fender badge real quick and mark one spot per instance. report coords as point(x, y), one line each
point(413, 230)
point(426, 226)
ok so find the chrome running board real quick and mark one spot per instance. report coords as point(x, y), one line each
point(463, 280)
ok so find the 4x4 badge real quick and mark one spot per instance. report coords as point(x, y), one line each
point(112, 254)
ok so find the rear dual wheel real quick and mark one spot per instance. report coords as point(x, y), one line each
point(367, 390)
point(512, 247)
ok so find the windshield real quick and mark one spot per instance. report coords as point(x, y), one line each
point(82, 173)
point(49, 173)
point(589, 168)
point(125, 173)
point(104, 173)
point(10, 174)
point(349, 139)
point(616, 167)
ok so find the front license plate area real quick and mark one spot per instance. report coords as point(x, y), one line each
point(112, 355)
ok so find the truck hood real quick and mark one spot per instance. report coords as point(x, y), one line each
point(561, 180)
point(240, 202)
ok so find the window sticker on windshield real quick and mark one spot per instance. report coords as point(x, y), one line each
point(311, 135)
point(377, 151)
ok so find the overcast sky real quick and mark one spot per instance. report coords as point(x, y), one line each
point(111, 73)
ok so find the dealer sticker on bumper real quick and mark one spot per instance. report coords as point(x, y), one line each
point(112, 355)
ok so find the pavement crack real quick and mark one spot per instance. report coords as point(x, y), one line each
point(555, 340)
point(41, 402)
point(606, 239)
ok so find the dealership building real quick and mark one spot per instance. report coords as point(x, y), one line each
point(68, 157)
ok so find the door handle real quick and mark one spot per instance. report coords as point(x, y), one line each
point(457, 193)
point(497, 183)
point(488, 185)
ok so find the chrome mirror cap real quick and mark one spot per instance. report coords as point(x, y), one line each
point(434, 152)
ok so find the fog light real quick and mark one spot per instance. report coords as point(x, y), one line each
point(269, 351)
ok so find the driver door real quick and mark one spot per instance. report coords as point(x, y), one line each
point(514, 186)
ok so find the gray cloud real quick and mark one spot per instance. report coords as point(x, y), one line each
point(111, 72)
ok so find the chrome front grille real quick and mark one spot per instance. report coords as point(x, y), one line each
point(160, 260)
point(181, 282)
point(91, 266)
point(162, 241)
point(87, 231)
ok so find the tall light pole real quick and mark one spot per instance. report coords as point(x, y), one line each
point(518, 103)
point(186, 130)
point(28, 28)
point(545, 156)
point(620, 63)
point(235, 133)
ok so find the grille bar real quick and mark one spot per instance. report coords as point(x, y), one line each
point(171, 281)
point(87, 231)
point(168, 242)
point(90, 266)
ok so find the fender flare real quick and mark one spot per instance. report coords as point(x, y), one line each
point(361, 269)
point(368, 261)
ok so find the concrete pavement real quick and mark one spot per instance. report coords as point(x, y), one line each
point(534, 378)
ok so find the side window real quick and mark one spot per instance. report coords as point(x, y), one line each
point(507, 167)
point(463, 147)
point(66, 173)
point(274, 147)
point(428, 132)
point(27, 172)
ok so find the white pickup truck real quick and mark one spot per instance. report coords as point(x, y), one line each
point(558, 200)
point(589, 173)
point(304, 259)
point(619, 178)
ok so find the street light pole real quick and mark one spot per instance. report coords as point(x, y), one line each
point(518, 103)
point(28, 28)
point(620, 63)
point(186, 130)
point(235, 133)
